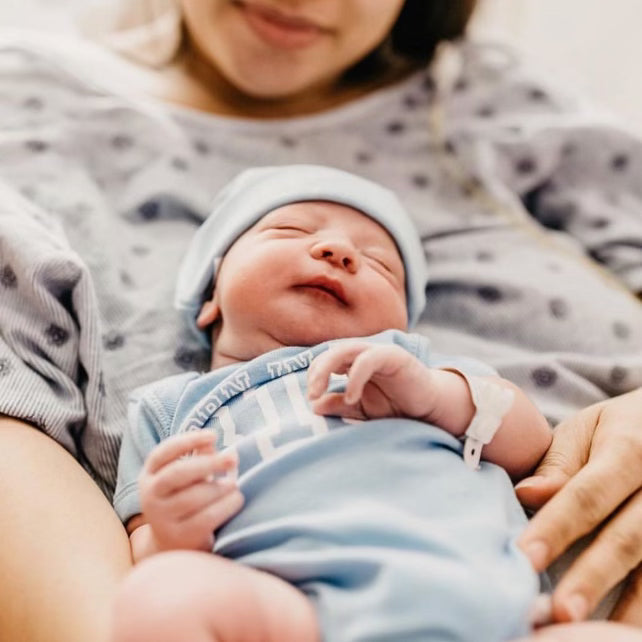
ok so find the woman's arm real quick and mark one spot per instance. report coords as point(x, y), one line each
point(63, 551)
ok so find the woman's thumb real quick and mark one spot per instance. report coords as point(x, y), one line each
point(564, 458)
point(534, 491)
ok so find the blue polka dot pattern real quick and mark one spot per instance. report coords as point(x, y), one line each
point(113, 340)
point(8, 277)
point(56, 335)
point(544, 377)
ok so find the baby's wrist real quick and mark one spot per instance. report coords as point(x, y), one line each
point(431, 386)
point(449, 402)
point(143, 543)
point(185, 544)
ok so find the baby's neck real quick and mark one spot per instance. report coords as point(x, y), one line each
point(220, 360)
point(241, 353)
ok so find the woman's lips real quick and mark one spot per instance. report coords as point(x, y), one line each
point(279, 29)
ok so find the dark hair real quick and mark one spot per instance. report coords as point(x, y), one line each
point(420, 27)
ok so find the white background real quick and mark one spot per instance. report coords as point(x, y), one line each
point(594, 46)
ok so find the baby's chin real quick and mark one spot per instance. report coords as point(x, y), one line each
point(321, 332)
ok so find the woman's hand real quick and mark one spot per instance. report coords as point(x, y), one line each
point(591, 479)
point(186, 491)
point(586, 632)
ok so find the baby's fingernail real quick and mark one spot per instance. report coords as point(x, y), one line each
point(537, 553)
point(350, 395)
point(313, 388)
point(577, 607)
point(232, 457)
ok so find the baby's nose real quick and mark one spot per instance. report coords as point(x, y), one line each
point(340, 253)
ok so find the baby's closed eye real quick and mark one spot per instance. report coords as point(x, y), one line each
point(379, 261)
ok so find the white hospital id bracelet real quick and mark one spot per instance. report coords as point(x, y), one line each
point(492, 402)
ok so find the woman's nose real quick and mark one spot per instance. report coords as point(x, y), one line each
point(338, 252)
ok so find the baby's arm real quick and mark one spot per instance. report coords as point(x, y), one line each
point(183, 499)
point(387, 381)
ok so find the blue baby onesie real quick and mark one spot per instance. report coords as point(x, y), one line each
point(379, 522)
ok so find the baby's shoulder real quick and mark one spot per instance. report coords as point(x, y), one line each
point(167, 390)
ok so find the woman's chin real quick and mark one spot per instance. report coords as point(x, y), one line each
point(284, 86)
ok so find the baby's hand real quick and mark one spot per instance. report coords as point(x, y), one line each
point(383, 381)
point(185, 498)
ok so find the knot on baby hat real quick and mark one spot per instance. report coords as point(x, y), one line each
point(255, 192)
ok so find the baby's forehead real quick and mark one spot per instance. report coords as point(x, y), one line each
point(332, 212)
point(312, 209)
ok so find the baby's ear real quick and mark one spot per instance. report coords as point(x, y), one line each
point(209, 313)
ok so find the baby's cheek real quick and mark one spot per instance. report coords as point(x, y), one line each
point(392, 307)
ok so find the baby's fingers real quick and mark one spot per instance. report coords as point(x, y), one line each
point(333, 404)
point(178, 446)
point(192, 500)
point(337, 360)
point(216, 514)
point(364, 367)
point(184, 472)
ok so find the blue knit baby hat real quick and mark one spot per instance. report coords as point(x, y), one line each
point(255, 192)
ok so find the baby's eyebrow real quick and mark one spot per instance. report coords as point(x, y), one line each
point(290, 217)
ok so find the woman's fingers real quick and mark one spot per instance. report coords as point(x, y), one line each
point(611, 556)
point(568, 453)
point(601, 474)
point(586, 632)
point(628, 610)
point(578, 508)
point(534, 492)
point(177, 446)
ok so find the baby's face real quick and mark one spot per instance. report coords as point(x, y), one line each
point(305, 273)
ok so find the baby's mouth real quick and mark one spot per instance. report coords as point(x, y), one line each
point(330, 287)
